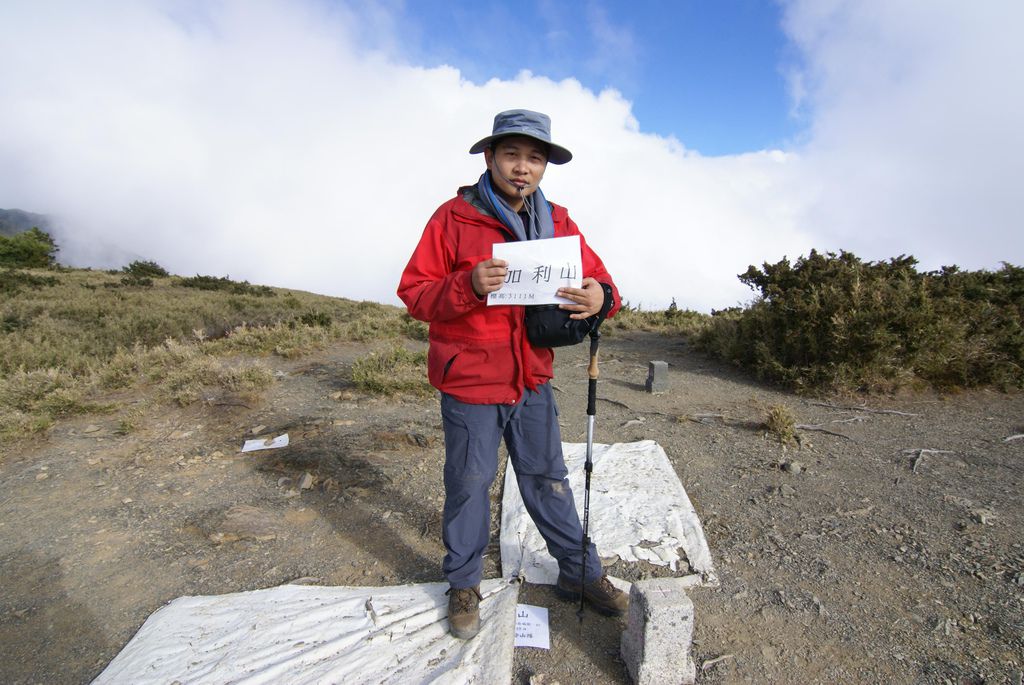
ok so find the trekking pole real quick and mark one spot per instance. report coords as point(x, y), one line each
point(595, 339)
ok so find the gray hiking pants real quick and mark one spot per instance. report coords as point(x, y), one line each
point(472, 433)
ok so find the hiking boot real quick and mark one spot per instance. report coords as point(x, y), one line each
point(601, 594)
point(464, 611)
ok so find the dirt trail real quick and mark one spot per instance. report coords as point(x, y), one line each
point(850, 559)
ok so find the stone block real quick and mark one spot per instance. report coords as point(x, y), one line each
point(659, 633)
point(657, 376)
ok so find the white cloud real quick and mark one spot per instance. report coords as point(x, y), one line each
point(916, 144)
point(256, 140)
point(265, 141)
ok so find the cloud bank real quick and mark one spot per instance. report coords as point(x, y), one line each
point(915, 143)
point(290, 144)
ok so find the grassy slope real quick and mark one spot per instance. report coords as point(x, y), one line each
point(67, 335)
point(80, 322)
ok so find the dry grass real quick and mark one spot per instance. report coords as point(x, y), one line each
point(31, 400)
point(68, 335)
point(78, 319)
point(673, 321)
point(780, 423)
point(393, 371)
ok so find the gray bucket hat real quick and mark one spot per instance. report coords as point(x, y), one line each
point(523, 122)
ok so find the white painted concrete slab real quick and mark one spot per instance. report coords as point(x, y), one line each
point(301, 634)
point(639, 510)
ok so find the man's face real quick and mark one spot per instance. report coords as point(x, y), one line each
point(517, 166)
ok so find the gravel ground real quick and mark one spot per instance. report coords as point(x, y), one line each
point(887, 549)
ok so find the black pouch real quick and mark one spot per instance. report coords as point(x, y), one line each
point(549, 326)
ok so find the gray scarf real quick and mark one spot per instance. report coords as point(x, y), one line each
point(540, 223)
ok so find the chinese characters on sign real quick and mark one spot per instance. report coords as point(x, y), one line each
point(532, 627)
point(537, 269)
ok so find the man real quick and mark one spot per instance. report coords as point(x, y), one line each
point(494, 384)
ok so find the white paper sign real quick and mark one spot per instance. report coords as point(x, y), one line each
point(532, 627)
point(537, 269)
point(267, 444)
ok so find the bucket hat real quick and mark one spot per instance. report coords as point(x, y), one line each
point(523, 122)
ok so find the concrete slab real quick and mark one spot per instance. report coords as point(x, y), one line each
point(301, 634)
point(639, 510)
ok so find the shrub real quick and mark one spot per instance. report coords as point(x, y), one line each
point(226, 284)
point(205, 282)
point(835, 322)
point(141, 269)
point(33, 249)
point(244, 288)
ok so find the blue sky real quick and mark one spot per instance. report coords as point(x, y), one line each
point(305, 143)
point(711, 74)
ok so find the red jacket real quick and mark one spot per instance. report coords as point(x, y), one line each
point(478, 354)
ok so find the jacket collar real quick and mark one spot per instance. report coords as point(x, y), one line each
point(468, 206)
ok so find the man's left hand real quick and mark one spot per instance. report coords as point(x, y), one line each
point(587, 300)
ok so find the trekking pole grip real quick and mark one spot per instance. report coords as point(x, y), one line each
point(592, 372)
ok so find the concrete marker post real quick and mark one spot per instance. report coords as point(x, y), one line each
point(657, 377)
point(659, 633)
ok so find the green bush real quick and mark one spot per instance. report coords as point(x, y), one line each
point(835, 322)
point(226, 284)
point(140, 269)
point(33, 249)
point(206, 282)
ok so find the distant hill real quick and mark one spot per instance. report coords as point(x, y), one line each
point(15, 221)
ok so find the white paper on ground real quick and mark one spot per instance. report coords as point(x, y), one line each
point(639, 510)
point(265, 443)
point(537, 269)
point(296, 634)
point(532, 627)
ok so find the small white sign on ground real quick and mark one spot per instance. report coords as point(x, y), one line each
point(639, 510)
point(532, 627)
point(297, 634)
point(265, 443)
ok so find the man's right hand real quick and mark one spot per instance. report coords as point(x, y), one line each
point(488, 276)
